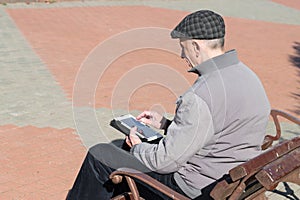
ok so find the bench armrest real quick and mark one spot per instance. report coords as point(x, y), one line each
point(132, 173)
point(269, 139)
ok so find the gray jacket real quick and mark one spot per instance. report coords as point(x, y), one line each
point(219, 123)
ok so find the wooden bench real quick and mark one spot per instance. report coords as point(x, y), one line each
point(250, 180)
point(243, 178)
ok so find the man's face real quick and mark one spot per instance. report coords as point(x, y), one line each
point(188, 52)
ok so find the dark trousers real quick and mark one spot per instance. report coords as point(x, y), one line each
point(93, 180)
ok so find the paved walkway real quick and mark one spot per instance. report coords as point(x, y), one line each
point(48, 113)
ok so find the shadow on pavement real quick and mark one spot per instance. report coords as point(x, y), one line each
point(288, 193)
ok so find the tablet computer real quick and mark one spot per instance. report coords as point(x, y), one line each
point(126, 122)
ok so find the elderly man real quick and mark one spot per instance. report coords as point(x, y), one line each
point(219, 123)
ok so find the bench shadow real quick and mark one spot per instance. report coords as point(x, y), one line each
point(289, 193)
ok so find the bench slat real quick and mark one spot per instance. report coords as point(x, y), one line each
point(274, 172)
point(255, 164)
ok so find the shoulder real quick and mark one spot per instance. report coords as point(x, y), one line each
point(190, 101)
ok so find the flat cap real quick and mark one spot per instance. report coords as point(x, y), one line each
point(202, 24)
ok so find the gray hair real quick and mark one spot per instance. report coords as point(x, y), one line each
point(215, 43)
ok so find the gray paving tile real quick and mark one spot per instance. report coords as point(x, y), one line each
point(30, 95)
point(288, 130)
point(28, 92)
point(93, 125)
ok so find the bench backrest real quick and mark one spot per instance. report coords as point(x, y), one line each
point(263, 159)
point(265, 171)
point(244, 179)
point(286, 168)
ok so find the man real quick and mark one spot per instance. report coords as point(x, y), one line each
point(219, 122)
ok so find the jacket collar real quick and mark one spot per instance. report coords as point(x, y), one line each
point(227, 59)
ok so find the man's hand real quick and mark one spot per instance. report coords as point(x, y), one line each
point(150, 118)
point(133, 139)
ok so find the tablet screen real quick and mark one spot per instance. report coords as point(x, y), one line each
point(142, 129)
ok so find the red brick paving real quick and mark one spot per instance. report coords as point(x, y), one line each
point(42, 163)
point(266, 47)
point(38, 163)
point(63, 45)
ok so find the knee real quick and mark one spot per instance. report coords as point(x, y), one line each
point(98, 147)
point(104, 147)
point(104, 151)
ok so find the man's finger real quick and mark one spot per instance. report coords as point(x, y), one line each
point(128, 142)
point(146, 121)
point(145, 114)
point(132, 134)
point(134, 139)
point(133, 129)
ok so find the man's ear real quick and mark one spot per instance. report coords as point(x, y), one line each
point(196, 48)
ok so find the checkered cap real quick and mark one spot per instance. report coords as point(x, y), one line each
point(203, 24)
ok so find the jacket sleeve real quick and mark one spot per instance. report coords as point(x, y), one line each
point(191, 128)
